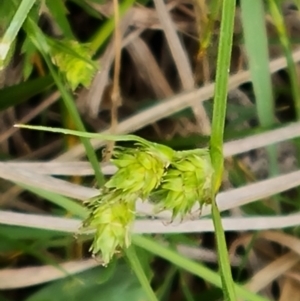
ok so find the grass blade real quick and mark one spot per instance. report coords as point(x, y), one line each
point(138, 269)
point(14, 95)
point(12, 30)
point(255, 38)
point(109, 137)
point(69, 205)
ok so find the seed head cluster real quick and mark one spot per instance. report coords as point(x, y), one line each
point(177, 180)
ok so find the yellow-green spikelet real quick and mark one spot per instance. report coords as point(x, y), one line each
point(111, 217)
point(140, 170)
point(187, 181)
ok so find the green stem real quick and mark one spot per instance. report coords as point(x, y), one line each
point(139, 272)
point(219, 108)
point(223, 258)
point(216, 141)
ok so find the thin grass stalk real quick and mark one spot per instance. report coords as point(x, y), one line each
point(216, 141)
point(139, 272)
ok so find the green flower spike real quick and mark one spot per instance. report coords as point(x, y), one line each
point(187, 181)
point(140, 170)
point(111, 216)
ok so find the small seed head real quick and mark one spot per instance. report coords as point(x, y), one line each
point(111, 217)
point(188, 180)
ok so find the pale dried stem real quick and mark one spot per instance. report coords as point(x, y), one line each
point(92, 98)
point(150, 226)
point(271, 272)
point(148, 68)
point(182, 63)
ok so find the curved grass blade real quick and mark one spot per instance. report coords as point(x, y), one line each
point(14, 95)
point(109, 137)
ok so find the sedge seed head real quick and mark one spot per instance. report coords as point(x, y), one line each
point(140, 171)
point(187, 181)
point(111, 218)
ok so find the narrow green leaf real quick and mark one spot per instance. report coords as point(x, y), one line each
point(69, 205)
point(14, 95)
point(32, 250)
point(29, 51)
point(255, 36)
point(12, 31)
point(109, 137)
point(139, 272)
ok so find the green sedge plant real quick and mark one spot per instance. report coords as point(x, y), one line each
point(175, 180)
